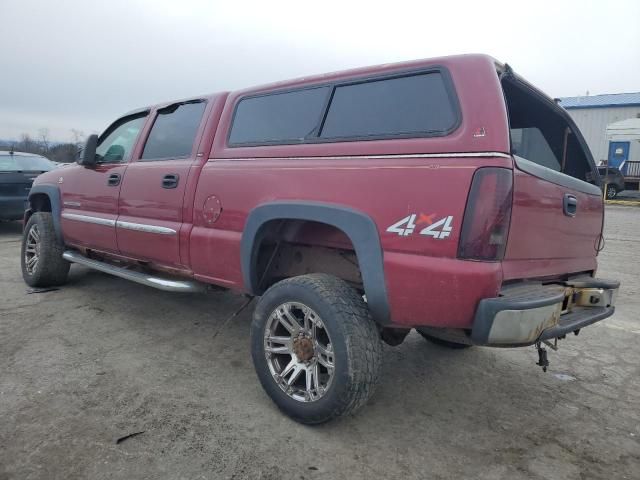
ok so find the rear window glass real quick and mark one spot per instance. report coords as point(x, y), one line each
point(542, 135)
point(19, 163)
point(174, 131)
point(278, 118)
point(398, 106)
point(530, 143)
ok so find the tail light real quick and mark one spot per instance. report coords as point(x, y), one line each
point(486, 218)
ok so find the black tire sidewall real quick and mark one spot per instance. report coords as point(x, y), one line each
point(51, 269)
point(336, 397)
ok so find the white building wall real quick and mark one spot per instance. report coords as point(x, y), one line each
point(593, 122)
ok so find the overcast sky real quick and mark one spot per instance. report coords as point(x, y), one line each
point(79, 64)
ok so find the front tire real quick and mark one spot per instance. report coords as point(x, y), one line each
point(612, 192)
point(41, 254)
point(315, 348)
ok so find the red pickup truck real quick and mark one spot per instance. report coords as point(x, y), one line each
point(447, 195)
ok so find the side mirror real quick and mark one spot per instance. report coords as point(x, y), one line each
point(88, 155)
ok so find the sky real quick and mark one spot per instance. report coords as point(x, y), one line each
point(79, 64)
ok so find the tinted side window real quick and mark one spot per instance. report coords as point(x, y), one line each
point(117, 142)
point(174, 131)
point(288, 117)
point(408, 105)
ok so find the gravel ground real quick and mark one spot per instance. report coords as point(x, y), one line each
point(102, 358)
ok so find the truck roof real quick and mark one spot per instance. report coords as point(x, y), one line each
point(445, 61)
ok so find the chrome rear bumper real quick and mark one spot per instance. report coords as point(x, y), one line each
point(527, 313)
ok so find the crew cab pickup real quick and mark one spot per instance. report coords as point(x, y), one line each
point(446, 195)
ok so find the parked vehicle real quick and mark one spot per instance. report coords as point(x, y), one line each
point(17, 172)
point(612, 181)
point(356, 205)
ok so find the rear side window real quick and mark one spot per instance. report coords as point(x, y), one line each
point(288, 117)
point(417, 104)
point(412, 105)
point(174, 131)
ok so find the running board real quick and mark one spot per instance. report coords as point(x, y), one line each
point(160, 283)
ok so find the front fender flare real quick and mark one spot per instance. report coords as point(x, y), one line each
point(53, 193)
point(358, 226)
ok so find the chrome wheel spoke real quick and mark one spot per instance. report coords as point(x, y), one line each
point(288, 322)
point(35, 234)
point(297, 370)
point(32, 249)
point(278, 350)
point(278, 344)
point(312, 382)
point(290, 366)
point(325, 355)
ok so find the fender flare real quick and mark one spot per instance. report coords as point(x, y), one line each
point(53, 193)
point(358, 226)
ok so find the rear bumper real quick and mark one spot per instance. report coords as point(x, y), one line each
point(528, 313)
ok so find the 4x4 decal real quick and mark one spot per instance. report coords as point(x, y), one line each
point(439, 229)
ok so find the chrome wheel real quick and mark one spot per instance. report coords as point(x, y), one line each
point(611, 192)
point(299, 353)
point(32, 249)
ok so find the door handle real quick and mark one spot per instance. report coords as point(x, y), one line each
point(113, 180)
point(170, 180)
point(570, 205)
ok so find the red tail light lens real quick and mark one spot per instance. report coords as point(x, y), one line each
point(486, 218)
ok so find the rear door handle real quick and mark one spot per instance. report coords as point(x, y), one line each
point(570, 205)
point(113, 180)
point(170, 180)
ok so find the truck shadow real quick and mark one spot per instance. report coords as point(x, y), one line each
point(424, 387)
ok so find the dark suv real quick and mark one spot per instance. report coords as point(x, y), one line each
point(17, 172)
point(612, 181)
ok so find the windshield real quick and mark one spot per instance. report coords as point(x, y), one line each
point(17, 163)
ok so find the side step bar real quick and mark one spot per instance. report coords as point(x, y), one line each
point(168, 285)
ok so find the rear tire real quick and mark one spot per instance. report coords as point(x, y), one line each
point(315, 348)
point(444, 343)
point(41, 254)
point(612, 192)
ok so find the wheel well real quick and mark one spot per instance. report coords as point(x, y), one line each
point(40, 202)
point(288, 248)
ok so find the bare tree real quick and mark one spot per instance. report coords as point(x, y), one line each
point(44, 138)
point(78, 137)
point(27, 144)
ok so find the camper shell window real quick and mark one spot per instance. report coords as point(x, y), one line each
point(543, 134)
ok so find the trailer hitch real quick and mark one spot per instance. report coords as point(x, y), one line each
point(543, 359)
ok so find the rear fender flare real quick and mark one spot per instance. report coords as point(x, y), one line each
point(358, 226)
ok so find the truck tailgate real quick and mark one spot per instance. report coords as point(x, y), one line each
point(546, 240)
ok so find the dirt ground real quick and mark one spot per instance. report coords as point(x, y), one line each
point(102, 358)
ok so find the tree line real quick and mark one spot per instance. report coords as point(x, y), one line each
point(64, 152)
